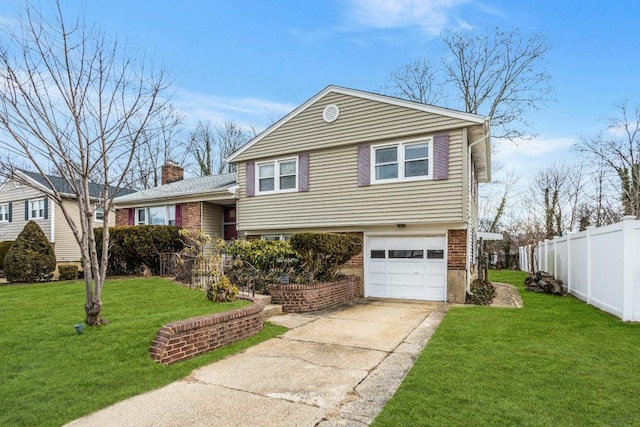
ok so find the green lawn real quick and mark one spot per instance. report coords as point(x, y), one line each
point(555, 362)
point(49, 375)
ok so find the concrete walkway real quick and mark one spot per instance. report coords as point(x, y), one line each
point(332, 368)
point(506, 296)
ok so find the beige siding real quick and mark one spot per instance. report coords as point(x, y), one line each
point(17, 194)
point(67, 249)
point(359, 120)
point(212, 219)
point(334, 198)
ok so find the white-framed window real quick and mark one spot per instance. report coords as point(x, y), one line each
point(141, 216)
point(277, 176)
point(156, 215)
point(276, 237)
point(4, 212)
point(402, 161)
point(36, 209)
point(99, 213)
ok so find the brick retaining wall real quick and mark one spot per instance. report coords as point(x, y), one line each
point(296, 298)
point(188, 338)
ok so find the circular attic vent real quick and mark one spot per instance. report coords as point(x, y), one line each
point(330, 113)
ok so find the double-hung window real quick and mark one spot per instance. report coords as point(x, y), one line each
point(409, 160)
point(36, 209)
point(4, 212)
point(156, 215)
point(277, 175)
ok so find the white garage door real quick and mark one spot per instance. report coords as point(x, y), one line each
point(407, 267)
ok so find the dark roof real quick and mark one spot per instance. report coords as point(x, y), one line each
point(62, 185)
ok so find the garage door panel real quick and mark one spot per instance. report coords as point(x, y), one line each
point(407, 267)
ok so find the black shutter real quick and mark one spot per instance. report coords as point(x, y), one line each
point(26, 210)
point(46, 208)
point(10, 211)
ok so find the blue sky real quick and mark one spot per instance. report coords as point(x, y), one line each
point(254, 61)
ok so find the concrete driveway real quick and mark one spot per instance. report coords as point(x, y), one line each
point(333, 368)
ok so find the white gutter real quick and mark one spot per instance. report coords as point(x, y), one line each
point(469, 183)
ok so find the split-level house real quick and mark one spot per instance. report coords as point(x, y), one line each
point(207, 203)
point(401, 174)
point(26, 196)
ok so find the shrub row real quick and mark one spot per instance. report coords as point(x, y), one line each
point(131, 248)
point(305, 258)
point(322, 254)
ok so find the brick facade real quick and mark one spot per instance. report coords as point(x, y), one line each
point(317, 296)
point(192, 215)
point(122, 217)
point(188, 338)
point(457, 250)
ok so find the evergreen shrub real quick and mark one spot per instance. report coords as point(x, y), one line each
point(4, 248)
point(322, 254)
point(68, 272)
point(31, 257)
point(132, 248)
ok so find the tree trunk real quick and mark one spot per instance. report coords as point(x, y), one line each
point(93, 310)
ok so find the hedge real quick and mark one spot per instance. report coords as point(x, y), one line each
point(131, 248)
point(322, 254)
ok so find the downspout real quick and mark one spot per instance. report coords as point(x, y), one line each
point(469, 183)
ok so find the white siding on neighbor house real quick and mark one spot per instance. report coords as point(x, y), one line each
point(212, 219)
point(335, 199)
point(17, 194)
point(66, 248)
point(360, 120)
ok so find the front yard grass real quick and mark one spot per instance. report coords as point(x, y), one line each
point(555, 362)
point(49, 375)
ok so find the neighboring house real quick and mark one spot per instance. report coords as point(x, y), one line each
point(401, 174)
point(20, 203)
point(207, 203)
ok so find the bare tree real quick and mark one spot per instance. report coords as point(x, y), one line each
point(500, 74)
point(416, 81)
point(156, 147)
point(212, 145)
point(230, 138)
point(619, 151)
point(203, 141)
point(72, 102)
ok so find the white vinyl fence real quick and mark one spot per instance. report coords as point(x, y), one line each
point(600, 265)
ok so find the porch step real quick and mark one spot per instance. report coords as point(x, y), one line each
point(271, 310)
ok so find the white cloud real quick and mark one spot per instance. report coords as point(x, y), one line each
point(244, 111)
point(433, 16)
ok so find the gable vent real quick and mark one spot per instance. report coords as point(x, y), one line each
point(330, 113)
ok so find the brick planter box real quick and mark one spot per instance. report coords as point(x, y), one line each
point(296, 298)
point(188, 338)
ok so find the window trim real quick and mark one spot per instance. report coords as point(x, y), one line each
point(95, 215)
point(276, 175)
point(147, 216)
point(401, 161)
point(279, 237)
point(41, 199)
point(4, 216)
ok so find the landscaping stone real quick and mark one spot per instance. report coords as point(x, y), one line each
point(545, 283)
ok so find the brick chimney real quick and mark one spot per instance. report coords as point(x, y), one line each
point(171, 172)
